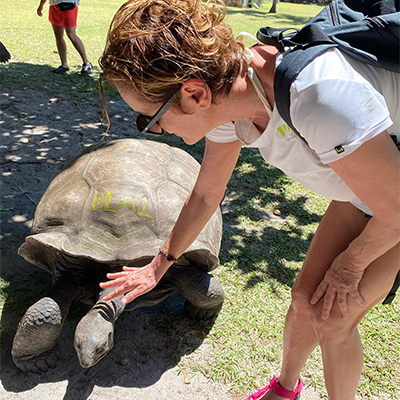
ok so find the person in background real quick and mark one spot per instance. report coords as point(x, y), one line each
point(178, 65)
point(63, 15)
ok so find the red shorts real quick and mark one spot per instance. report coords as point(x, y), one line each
point(66, 19)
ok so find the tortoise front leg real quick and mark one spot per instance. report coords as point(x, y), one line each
point(203, 292)
point(39, 328)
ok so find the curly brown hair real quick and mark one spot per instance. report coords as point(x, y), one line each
point(153, 46)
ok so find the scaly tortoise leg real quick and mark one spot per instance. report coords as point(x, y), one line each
point(34, 343)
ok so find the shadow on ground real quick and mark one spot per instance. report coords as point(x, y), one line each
point(151, 342)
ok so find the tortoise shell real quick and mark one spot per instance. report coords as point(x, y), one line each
point(116, 204)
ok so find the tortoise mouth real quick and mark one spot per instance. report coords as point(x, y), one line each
point(89, 363)
point(89, 360)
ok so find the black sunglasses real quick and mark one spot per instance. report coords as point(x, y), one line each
point(146, 124)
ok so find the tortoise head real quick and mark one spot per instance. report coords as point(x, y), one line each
point(94, 337)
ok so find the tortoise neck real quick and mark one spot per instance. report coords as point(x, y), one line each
point(110, 310)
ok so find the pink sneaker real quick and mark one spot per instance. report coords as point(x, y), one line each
point(279, 390)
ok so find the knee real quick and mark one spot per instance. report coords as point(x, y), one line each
point(334, 330)
point(300, 308)
point(72, 36)
point(59, 37)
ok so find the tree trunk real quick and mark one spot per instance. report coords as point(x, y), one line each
point(273, 8)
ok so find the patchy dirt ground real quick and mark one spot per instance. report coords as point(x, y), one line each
point(40, 132)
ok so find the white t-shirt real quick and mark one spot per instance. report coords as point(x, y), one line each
point(336, 109)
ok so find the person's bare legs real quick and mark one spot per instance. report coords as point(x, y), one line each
point(77, 42)
point(61, 45)
point(339, 339)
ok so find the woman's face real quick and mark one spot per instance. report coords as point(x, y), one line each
point(191, 127)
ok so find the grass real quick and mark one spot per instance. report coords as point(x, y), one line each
point(30, 40)
point(260, 257)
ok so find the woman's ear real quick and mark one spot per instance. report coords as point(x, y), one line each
point(195, 93)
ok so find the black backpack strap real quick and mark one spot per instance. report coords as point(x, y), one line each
point(309, 35)
point(286, 73)
point(308, 43)
point(392, 294)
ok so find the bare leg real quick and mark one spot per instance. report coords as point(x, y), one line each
point(339, 339)
point(77, 42)
point(61, 45)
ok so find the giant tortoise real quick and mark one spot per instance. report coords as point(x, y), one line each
point(113, 205)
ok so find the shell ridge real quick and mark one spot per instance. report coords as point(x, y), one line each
point(85, 209)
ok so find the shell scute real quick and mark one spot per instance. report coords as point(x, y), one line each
point(118, 202)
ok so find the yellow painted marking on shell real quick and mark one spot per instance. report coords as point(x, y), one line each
point(101, 202)
point(126, 202)
point(98, 201)
point(143, 212)
point(107, 204)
